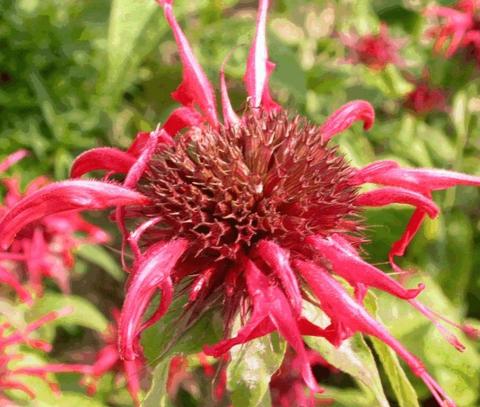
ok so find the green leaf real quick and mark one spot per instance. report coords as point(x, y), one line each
point(171, 335)
point(157, 395)
point(454, 370)
point(99, 256)
point(132, 34)
point(353, 356)
point(69, 399)
point(83, 312)
point(403, 389)
point(250, 370)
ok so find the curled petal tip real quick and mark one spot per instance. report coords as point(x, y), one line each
point(346, 116)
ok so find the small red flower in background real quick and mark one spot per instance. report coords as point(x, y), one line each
point(373, 50)
point(425, 98)
point(45, 248)
point(108, 359)
point(287, 387)
point(12, 369)
point(459, 28)
point(250, 214)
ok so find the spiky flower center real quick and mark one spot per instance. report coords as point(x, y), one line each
point(271, 177)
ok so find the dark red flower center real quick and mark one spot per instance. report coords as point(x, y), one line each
point(271, 177)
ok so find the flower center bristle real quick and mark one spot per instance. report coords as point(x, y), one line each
point(271, 177)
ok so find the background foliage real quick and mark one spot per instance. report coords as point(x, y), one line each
point(77, 74)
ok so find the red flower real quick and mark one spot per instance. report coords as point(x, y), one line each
point(250, 214)
point(425, 99)
point(287, 387)
point(45, 248)
point(373, 50)
point(11, 376)
point(108, 359)
point(460, 28)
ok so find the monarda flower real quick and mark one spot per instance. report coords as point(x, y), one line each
point(13, 369)
point(459, 28)
point(252, 215)
point(45, 248)
point(108, 359)
point(425, 99)
point(373, 50)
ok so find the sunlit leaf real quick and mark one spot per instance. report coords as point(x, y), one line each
point(251, 368)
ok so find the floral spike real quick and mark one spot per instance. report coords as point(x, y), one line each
point(103, 158)
point(151, 274)
point(259, 68)
point(345, 116)
point(195, 87)
point(340, 307)
point(61, 197)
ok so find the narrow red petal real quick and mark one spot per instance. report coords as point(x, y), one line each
point(278, 259)
point(417, 179)
point(230, 118)
point(10, 280)
point(355, 270)
point(151, 272)
point(346, 116)
point(12, 159)
point(195, 87)
point(393, 195)
point(142, 138)
point(259, 67)
point(133, 176)
point(103, 158)
point(61, 197)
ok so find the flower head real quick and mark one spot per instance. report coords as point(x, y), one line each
point(254, 215)
point(425, 99)
point(459, 28)
point(373, 50)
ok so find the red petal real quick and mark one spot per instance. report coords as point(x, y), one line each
point(10, 280)
point(339, 306)
point(278, 259)
point(142, 138)
point(195, 86)
point(181, 118)
point(103, 158)
point(280, 313)
point(151, 272)
point(12, 159)
point(394, 195)
point(344, 117)
point(259, 67)
point(353, 269)
point(61, 197)
point(229, 116)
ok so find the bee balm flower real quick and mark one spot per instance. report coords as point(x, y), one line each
point(251, 214)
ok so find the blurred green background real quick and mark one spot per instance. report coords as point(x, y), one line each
point(78, 74)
